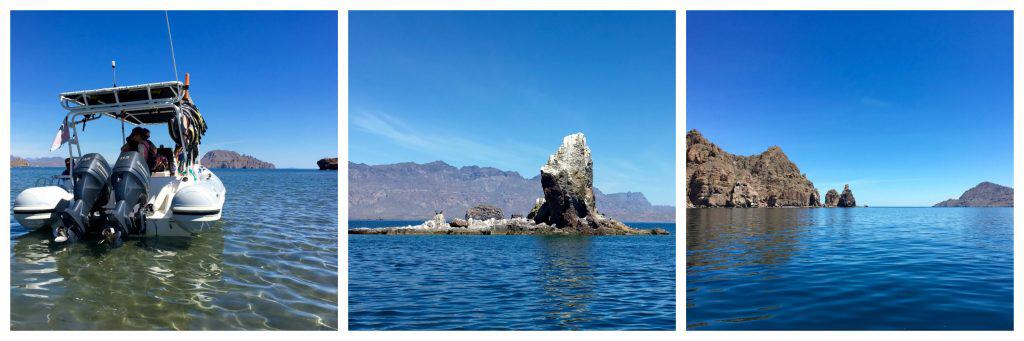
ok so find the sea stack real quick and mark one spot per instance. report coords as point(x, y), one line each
point(846, 199)
point(568, 183)
point(715, 178)
point(832, 198)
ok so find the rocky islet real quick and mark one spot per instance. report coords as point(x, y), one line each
point(567, 208)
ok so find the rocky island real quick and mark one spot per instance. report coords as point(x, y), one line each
point(231, 159)
point(985, 194)
point(18, 162)
point(49, 161)
point(567, 208)
point(330, 163)
point(716, 178)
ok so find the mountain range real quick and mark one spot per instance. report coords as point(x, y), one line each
point(413, 191)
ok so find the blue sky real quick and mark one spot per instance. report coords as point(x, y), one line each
point(909, 108)
point(501, 89)
point(266, 82)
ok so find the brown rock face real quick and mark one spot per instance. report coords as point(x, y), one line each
point(716, 178)
point(846, 199)
point(328, 163)
point(484, 212)
point(832, 198)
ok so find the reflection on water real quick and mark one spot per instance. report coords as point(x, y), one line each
point(511, 282)
point(877, 268)
point(569, 283)
point(270, 264)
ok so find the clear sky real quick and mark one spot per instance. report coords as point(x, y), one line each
point(501, 89)
point(909, 108)
point(266, 82)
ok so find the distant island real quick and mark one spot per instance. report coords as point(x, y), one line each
point(50, 161)
point(231, 159)
point(567, 207)
point(985, 194)
point(410, 191)
point(715, 178)
point(330, 163)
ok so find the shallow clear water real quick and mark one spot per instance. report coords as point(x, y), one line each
point(511, 282)
point(272, 263)
point(850, 269)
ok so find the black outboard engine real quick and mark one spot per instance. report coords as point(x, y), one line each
point(131, 194)
point(92, 191)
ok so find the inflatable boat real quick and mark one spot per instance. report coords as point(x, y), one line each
point(129, 197)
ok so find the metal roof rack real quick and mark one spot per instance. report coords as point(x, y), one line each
point(152, 103)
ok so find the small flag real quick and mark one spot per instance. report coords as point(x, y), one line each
point(63, 135)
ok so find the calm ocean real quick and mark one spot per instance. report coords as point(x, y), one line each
point(511, 282)
point(850, 269)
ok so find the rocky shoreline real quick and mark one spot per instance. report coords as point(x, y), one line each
point(567, 208)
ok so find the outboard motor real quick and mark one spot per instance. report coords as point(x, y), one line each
point(131, 194)
point(92, 191)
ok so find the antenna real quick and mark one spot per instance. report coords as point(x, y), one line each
point(113, 70)
point(171, 40)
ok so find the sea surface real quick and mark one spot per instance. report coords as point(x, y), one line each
point(272, 263)
point(850, 269)
point(511, 282)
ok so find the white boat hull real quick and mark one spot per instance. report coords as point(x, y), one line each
point(181, 206)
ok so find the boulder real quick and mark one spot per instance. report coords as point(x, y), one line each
point(846, 199)
point(459, 223)
point(484, 212)
point(328, 163)
point(832, 198)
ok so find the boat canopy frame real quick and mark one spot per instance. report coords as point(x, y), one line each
point(144, 104)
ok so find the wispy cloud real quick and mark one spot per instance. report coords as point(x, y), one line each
point(448, 147)
point(874, 102)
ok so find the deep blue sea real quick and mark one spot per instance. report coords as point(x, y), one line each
point(272, 263)
point(511, 282)
point(850, 269)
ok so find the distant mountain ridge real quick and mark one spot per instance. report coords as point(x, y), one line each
point(412, 191)
point(985, 194)
point(231, 159)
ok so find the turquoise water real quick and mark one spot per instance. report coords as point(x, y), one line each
point(511, 282)
point(272, 263)
point(850, 269)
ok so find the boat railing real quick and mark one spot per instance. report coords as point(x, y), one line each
point(54, 180)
